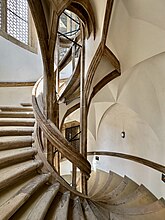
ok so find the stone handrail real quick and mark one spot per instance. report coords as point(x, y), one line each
point(56, 138)
point(73, 81)
point(55, 177)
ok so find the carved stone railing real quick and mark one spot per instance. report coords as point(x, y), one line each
point(55, 137)
point(73, 82)
point(140, 160)
point(47, 168)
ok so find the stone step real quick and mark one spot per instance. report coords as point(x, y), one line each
point(61, 206)
point(99, 211)
point(17, 122)
point(88, 212)
point(101, 178)
point(143, 210)
point(40, 209)
point(16, 114)
point(9, 175)
point(153, 216)
point(16, 130)
point(24, 211)
point(140, 197)
point(77, 212)
point(98, 178)
point(126, 187)
point(8, 192)
point(11, 142)
point(115, 192)
point(16, 108)
point(105, 185)
point(9, 157)
point(91, 182)
point(11, 206)
point(114, 181)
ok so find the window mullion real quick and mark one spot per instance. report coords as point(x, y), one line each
point(4, 15)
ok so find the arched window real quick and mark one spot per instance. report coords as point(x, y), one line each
point(69, 26)
point(16, 22)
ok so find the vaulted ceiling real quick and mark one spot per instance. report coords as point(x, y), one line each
point(136, 31)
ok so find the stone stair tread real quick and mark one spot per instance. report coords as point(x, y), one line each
point(145, 209)
point(141, 196)
point(63, 205)
point(16, 114)
point(88, 212)
point(13, 204)
point(77, 212)
point(40, 209)
point(101, 178)
point(14, 155)
point(115, 181)
point(159, 215)
point(96, 180)
point(100, 212)
point(15, 172)
point(10, 142)
point(104, 186)
point(126, 187)
point(17, 121)
point(9, 191)
point(15, 108)
point(115, 192)
point(24, 211)
point(60, 207)
point(91, 182)
point(15, 130)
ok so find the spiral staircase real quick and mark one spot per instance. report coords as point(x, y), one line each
point(31, 189)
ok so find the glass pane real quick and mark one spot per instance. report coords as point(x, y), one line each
point(69, 24)
point(73, 136)
point(17, 19)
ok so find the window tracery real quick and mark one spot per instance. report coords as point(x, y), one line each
point(17, 19)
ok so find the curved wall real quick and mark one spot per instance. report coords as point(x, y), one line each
point(137, 107)
point(18, 64)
